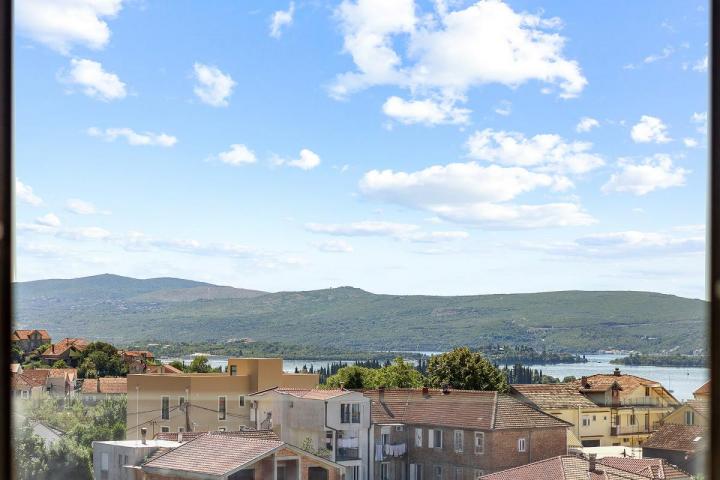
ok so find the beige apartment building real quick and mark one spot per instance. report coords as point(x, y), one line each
point(182, 402)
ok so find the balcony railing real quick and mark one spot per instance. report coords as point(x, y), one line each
point(346, 454)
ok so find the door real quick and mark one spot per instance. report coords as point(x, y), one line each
point(317, 473)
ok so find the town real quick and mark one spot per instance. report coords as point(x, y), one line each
point(90, 410)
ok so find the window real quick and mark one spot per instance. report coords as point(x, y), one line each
point(104, 465)
point(522, 445)
point(181, 429)
point(479, 443)
point(398, 428)
point(165, 407)
point(349, 413)
point(586, 421)
point(221, 408)
point(221, 429)
point(418, 437)
point(384, 471)
point(647, 391)
point(416, 471)
point(126, 460)
point(355, 413)
point(689, 417)
point(458, 440)
point(329, 440)
point(25, 394)
point(181, 401)
point(478, 474)
point(632, 420)
point(458, 473)
point(241, 401)
point(120, 461)
point(436, 437)
point(354, 472)
point(437, 472)
point(165, 429)
point(233, 369)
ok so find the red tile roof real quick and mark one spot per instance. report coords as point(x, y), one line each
point(60, 347)
point(104, 385)
point(458, 408)
point(702, 407)
point(246, 433)
point(313, 393)
point(575, 468)
point(20, 381)
point(684, 438)
point(69, 373)
point(603, 382)
point(25, 334)
point(553, 396)
point(137, 353)
point(703, 390)
point(214, 454)
point(164, 368)
point(38, 376)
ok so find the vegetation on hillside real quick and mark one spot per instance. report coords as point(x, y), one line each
point(663, 360)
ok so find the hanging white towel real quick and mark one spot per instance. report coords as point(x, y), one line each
point(379, 451)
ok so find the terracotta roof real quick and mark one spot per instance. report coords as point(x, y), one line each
point(685, 438)
point(105, 385)
point(60, 347)
point(700, 406)
point(703, 390)
point(137, 353)
point(173, 436)
point(313, 393)
point(553, 396)
point(458, 408)
point(164, 368)
point(603, 382)
point(245, 433)
point(38, 376)
point(25, 334)
point(575, 468)
point(71, 373)
point(20, 381)
point(214, 454)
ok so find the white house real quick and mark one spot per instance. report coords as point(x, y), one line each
point(118, 460)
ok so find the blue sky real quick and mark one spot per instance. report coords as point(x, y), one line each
point(400, 147)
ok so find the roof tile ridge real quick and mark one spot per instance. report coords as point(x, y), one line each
point(494, 411)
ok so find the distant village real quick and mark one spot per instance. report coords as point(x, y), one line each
point(459, 420)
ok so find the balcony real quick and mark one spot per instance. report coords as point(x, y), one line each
point(632, 429)
point(394, 450)
point(347, 454)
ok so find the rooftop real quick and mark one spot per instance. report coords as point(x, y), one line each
point(25, 334)
point(703, 390)
point(310, 393)
point(457, 408)
point(60, 347)
point(104, 385)
point(684, 438)
point(602, 382)
point(552, 396)
point(138, 443)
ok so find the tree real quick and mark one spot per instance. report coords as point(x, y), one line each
point(67, 459)
point(399, 374)
point(200, 364)
point(30, 455)
point(465, 370)
point(16, 354)
point(101, 359)
point(352, 377)
point(178, 364)
point(60, 364)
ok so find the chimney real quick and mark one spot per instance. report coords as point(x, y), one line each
point(179, 437)
point(583, 381)
point(426, 391)
point(445, 389)
point(592, 461)
point(381, 391)
point(143, 435)
point(617, 371)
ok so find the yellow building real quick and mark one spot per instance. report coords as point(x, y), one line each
point(606, 410)
point(692, 412)
point(180, 402)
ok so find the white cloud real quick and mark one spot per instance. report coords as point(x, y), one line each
point(213, 86)
point(428, 111)
point(649, 129)
point(640, 178)
point(511, 216)
point(547, 152)
point(701, 65)
point(504, 108)
point(48, 220)
point(306, 161)
point(690, 142)
point(25, 194)
point(280, 19)
point(375, 228)
point(238, 154)
point(94, 81)
point(334, 246)
point(449, 52)
point(628, 244)
point(61, 24)
point(132, 137)
point(85, 233)
point(81, 207)
point(666, 52)
point(700, 119)
point(586, 124)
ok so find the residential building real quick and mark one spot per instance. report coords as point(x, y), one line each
point(335, 423)
point(137, 360)
point(160, 369)
point(457, 434)
point(31, 384)
point(96, 389)
point(205, 401)
point(121, 459)
point(61, 381)
point(591, 422)
point(47, 433)
point(29, 340)
point(240, 456)
point(607, 468)
point(692, 412)
point(681, 445)
point(67, 349)
point(703, 393)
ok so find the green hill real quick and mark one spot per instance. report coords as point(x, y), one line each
point(124, 309)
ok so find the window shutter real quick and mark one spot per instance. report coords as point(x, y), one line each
point(431, 438)
point(413, 472)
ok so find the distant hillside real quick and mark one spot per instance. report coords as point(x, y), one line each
point(124, 309)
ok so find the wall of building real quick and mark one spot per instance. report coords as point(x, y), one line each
point(678, 417)
point(118, 456)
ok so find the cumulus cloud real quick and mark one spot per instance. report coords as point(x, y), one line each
point(640, 178)
point(649, 129)
point(132, 137)
point(449, 52)
point(306, 161)
point(280, 19)
point(81, 207)
point(334, 246)
point(62, 24)
point(665, 53)
point(427, 112)
point(213, 87)
point(701, 65)
point(700, 119)
point(94, 81)
point(238, 155)
point(504, 108)
point(586, 124)
point(374, 228)
point(629, 244)
point(548, 152)
point(690, 142)
point(48, 220)
point(25, 194)
point(512, 216)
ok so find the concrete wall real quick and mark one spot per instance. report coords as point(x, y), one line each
point(678, 417)
point(117, 457)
